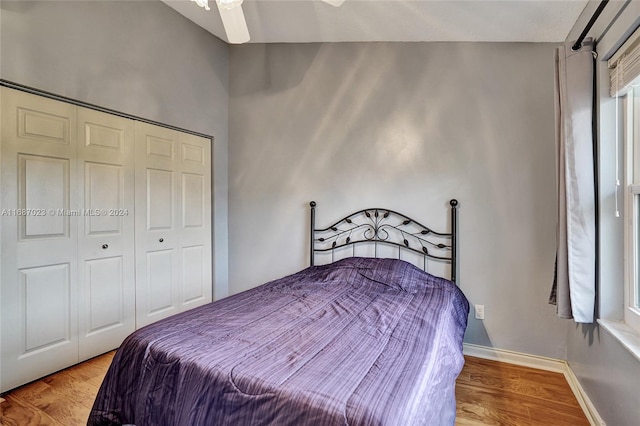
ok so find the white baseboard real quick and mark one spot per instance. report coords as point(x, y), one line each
point(542, 363)
point(526, 360)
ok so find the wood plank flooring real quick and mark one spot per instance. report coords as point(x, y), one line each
point(496, 393)
point(61, 399)
point(487, 393)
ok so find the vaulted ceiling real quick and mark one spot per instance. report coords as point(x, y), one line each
point(303, 21)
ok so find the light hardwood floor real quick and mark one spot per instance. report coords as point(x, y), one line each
point(488, 393)
point(496, 393)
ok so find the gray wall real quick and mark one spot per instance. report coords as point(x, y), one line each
point(405, 126)
point(141, 58)
point(607, 371)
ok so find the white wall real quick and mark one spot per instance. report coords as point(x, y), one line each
point(607, 371)
point(405, 126)
point(140, 58)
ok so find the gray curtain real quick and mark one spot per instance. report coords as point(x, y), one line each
point(574, 286)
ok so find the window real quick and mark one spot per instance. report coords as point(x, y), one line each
point(631, 119)
point(624, 75)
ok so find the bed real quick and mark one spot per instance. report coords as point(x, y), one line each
point(358, 341)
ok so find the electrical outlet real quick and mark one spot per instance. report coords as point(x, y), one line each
point(479, 312)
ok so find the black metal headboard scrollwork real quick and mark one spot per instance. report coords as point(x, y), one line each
point(387, 227)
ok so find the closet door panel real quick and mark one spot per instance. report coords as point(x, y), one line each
point(44, 306)
point(194, 284)
point(38, 286)
point(105, 286)
point(157, 223)
point(195, 232)
point(39, 123)
point(106, 231)
point(160, 196)
point(44, 205)
point(192, 201)
point(105, 207)
point(160, 275)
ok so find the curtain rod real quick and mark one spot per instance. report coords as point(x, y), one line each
point(578, 44)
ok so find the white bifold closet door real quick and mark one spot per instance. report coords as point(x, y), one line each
point(106, 277)
point(63, 298)
point(105, 227)
point(39, 304)
point(173, 222)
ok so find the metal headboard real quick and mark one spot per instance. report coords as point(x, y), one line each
point(390, 228)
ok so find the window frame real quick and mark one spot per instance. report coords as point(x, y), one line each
point(631, 155)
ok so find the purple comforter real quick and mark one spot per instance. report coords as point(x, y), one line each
point(357, 342)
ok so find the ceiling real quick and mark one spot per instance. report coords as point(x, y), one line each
point(304, 21)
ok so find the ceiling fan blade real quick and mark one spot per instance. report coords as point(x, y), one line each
point(234, 24)
point(336, 3)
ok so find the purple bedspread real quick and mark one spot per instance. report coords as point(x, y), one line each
point(358, 342)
